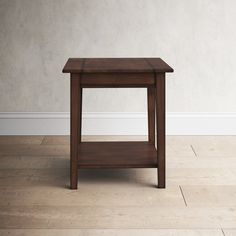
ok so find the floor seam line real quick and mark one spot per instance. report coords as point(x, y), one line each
point(193, 150)
point(222, 231)
point(183, 195)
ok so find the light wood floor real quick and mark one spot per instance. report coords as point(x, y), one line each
point(200, 198)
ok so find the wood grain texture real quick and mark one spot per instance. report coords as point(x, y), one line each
point(22, 139)
point(117, 80)
point(62, 161)
point(151, 114)
point(229, 232)
point(73, 65)
point(116, 155)
point(31, 162)
point(35, 199)
point(75, 127)
point(93, 194)
point(59, 177)
point(215, 147)
point(161, 129)
point(115, 65)
point(34, 150)
point(159, 65)
point(205, 195)
point(61, 217)
point(114, 232)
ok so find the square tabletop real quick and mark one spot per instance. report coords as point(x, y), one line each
point(116, 65)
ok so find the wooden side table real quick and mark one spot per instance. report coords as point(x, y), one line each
point(122, 73)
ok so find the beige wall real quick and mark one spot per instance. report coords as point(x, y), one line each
point(196, 37)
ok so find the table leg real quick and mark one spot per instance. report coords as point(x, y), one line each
point(160, 117)
point(151, 114)
point(80, 116)
point(75, 128)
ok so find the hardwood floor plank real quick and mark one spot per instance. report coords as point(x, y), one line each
point(209, 195)
point(201, 176)
point(56, 140)
point(145, 177)
point(34, 150)
point(214, 146)
point(113, 232)
point(21, 139)
point(33, 162)
point(229, 232)
point(62, 161)
point(37, 177)
point(34, 194)
point(57, 217)
point(179, 146)
point(201, 162)
point(91, 195)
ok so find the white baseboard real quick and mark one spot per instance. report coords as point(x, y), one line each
point(116, 123)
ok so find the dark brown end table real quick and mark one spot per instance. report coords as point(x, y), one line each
point(119, 73)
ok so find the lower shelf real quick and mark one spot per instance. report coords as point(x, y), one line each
point(117, 155)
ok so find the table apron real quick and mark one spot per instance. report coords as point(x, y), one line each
point(117, 80)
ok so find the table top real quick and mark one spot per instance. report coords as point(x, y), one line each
point(116, 65)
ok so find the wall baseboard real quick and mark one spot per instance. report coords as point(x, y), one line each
point(116, 123)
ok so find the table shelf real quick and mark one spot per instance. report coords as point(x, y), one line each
point(117, 155)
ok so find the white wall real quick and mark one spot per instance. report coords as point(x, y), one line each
point(196, 37)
